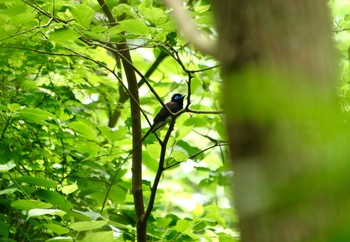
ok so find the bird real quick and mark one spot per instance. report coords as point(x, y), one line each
point(163, 117)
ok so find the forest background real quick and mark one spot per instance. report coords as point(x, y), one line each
point(66, 122)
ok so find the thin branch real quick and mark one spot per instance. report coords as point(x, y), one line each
point(18, 185)
point(5, 128)
point(340, 30)
point(28, 30)
point(204, 69)
point(216, 141)
point(196, 154)
point(205, 111)
point(159, 172)
point(111, 184)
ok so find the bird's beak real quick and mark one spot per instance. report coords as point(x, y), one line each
point(182, 97)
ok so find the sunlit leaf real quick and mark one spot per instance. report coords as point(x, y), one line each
point(131, 26)
point(83, 14)
point(154, 150)
point(57, 229)
point(84, 129)
point(164, 221)
point(7, 167)
point(38, 181)
point(83, 226)
point(183, 226)
point(29, 204)
point(106, 236)
point(196, 122)
point(69, 188)
point(36, 115)
point(8, 191)
point(118, 194)
point(64, 34)
point(54, 198)
point(155, 15)
point(13, 107)
point(179, 155)
point(60, 239)
point(150, 162)
point(35, 212)
point(201, 8)
point(121, 8)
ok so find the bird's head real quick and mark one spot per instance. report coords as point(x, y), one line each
point(177, 97)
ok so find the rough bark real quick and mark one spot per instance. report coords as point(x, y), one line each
point(288, 141)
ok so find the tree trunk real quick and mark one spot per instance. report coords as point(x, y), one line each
point(288, 141)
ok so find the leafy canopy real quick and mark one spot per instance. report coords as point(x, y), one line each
point(65, 124)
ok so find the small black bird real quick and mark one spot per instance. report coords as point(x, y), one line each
point(163, 117)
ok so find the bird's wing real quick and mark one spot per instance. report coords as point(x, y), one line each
point(164, 113)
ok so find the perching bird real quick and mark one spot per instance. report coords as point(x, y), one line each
point(163, 117)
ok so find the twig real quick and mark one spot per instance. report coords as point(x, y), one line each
point(159, 172)
point(29, 30)
point(198, 153)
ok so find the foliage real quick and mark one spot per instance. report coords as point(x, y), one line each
point(61, 156)
point(341, 12)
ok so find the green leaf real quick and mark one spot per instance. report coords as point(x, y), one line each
point(183, 226)
point(184, 131)
point(154, 150)
point(196, 122)
point(106, 236)
point(29, 204)
point(23, 18)
point(190, 149)
point(84, 129)
point(5, 231)
point(201, 9)
point(15, 9)
point(83, 14)
point(130, 26)
point(54, 198)
point(155, 15)
point(83, 226)
point(227, 238)
point(7, 167)
point(149, 162)
point(85, 215)
point(57, 229)
point(36, 212)
point(64, 34)
point(120, 9)
point(179, 155)
point(213, 212)
point(79, 215)
point(8, 191)
point(13, 107)
point(70, 188)
point(118, 194)
point(164, 221)
point(36, 115)
point(60, 239)
point(37, 181)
